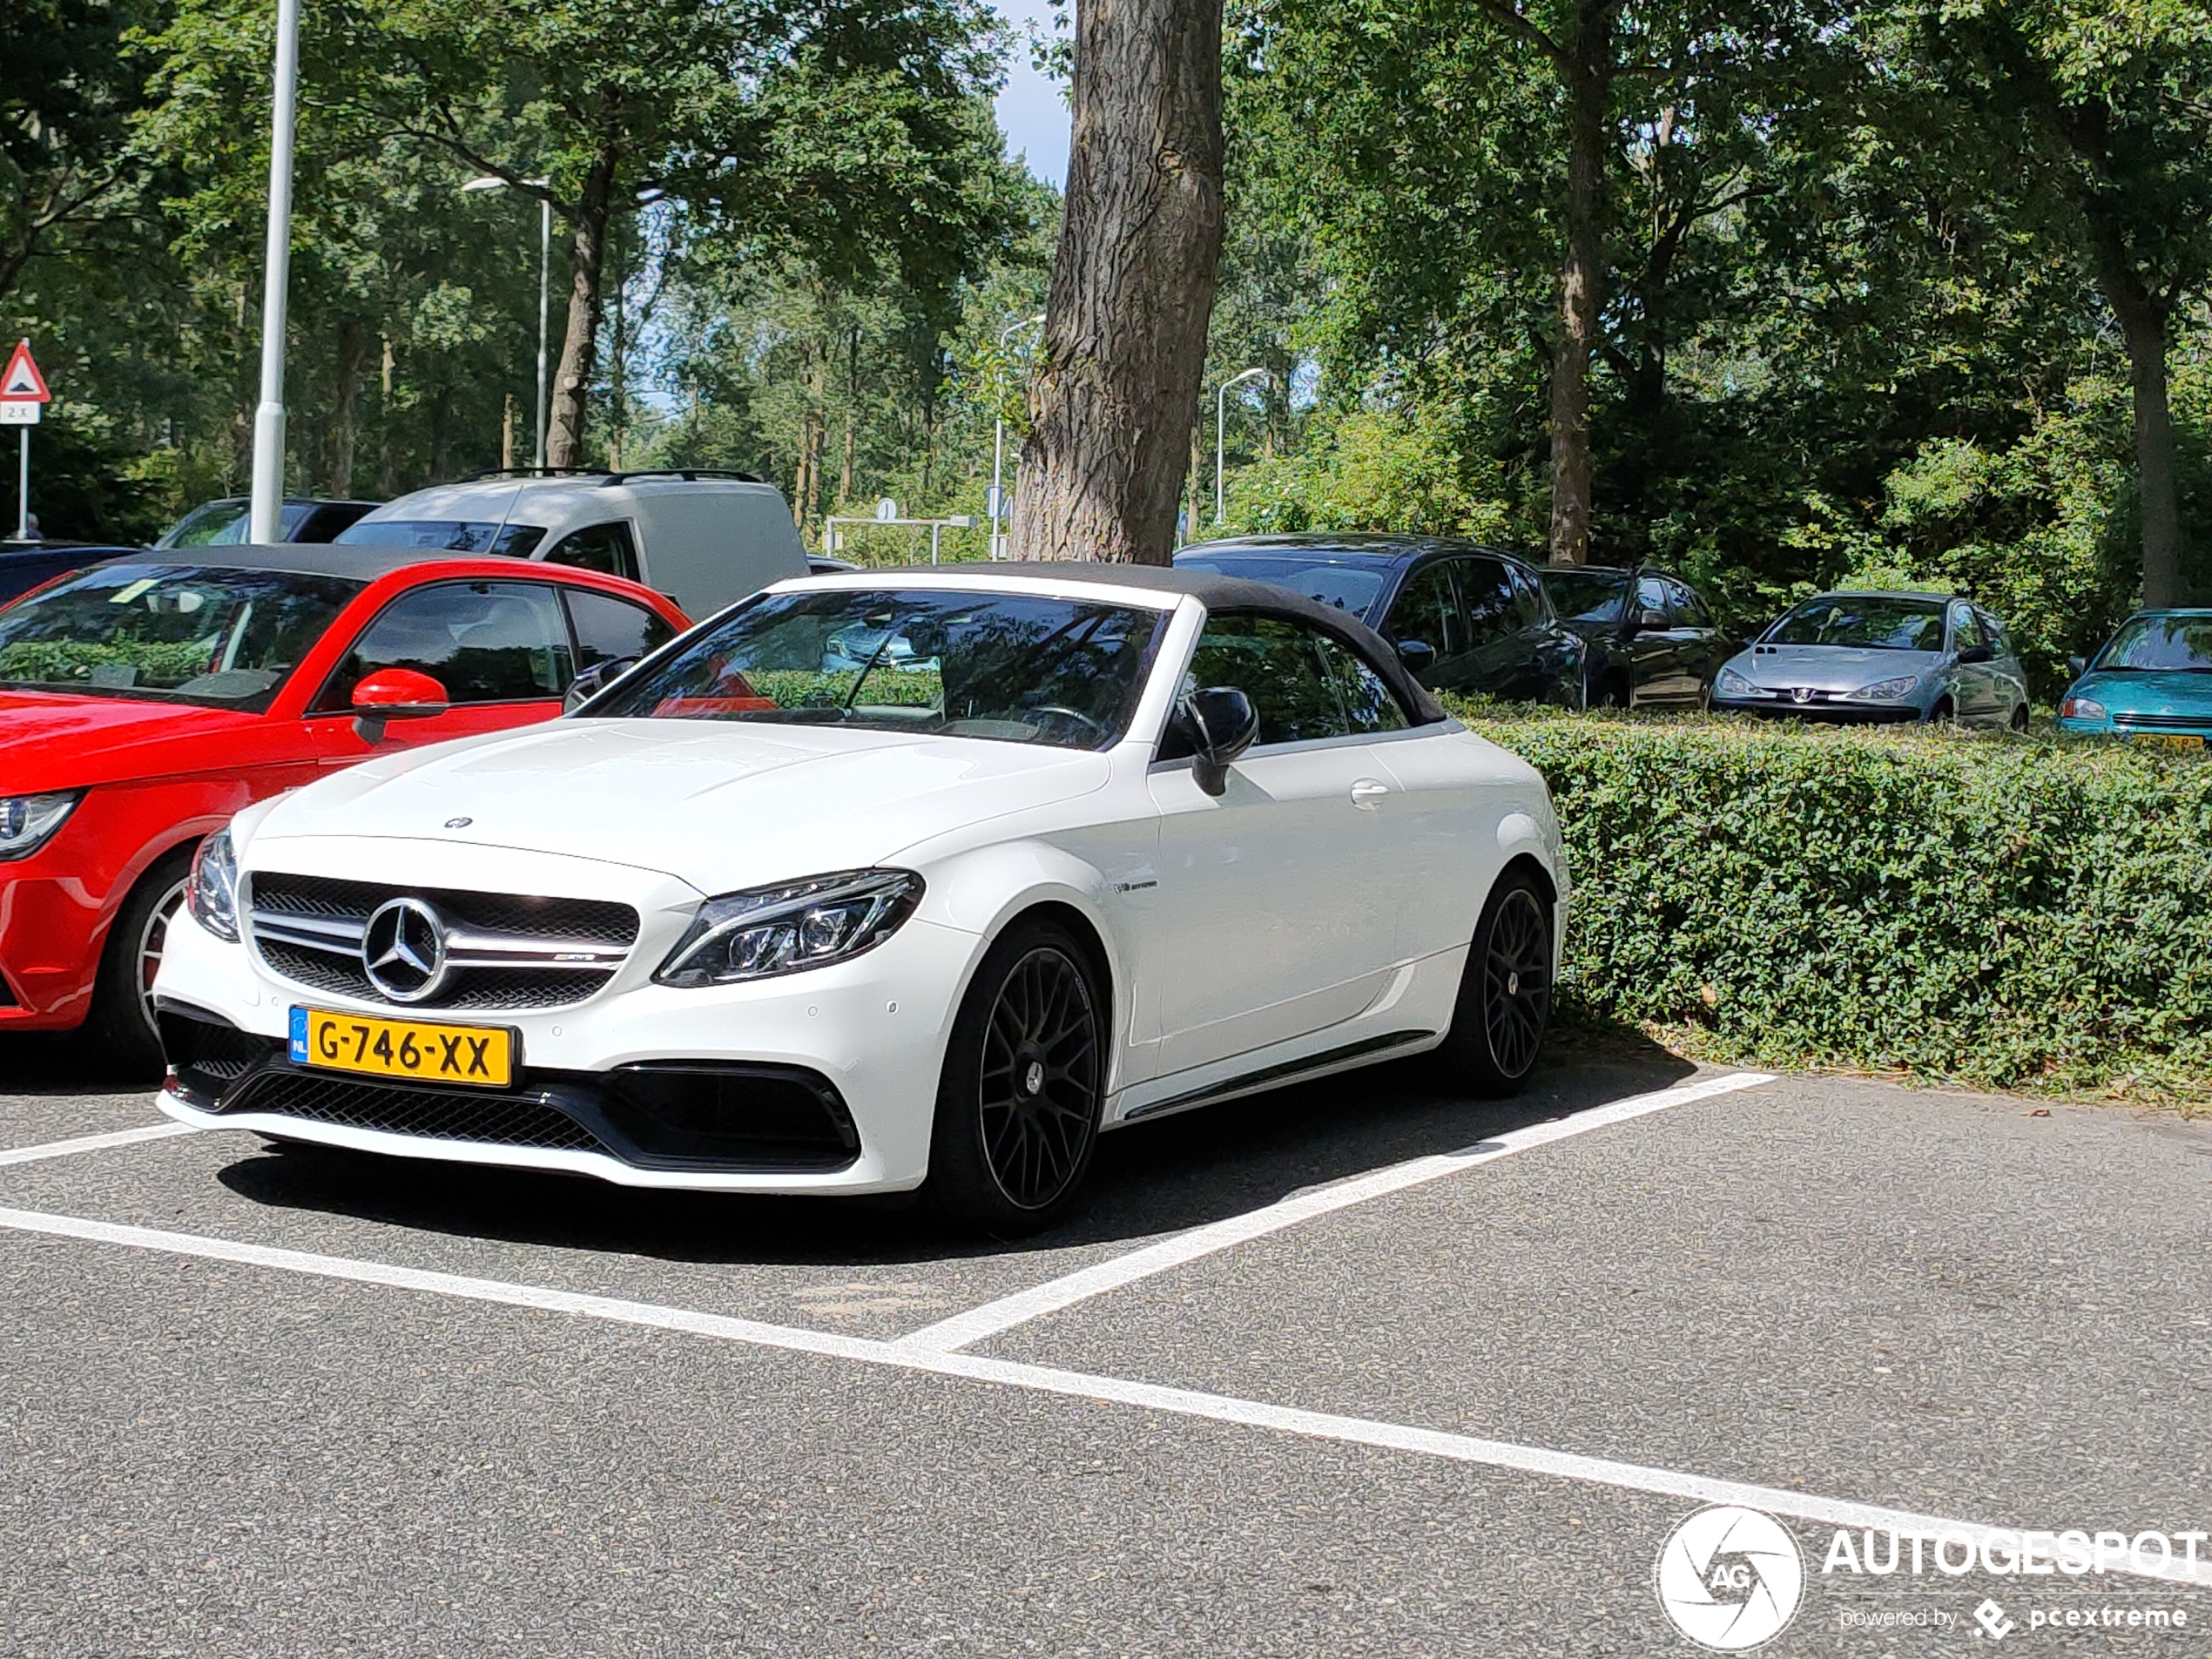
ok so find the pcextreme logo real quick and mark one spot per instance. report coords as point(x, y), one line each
point(1731, 1579)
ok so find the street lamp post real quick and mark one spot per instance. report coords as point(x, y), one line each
point(544, 266)
point(998, 445)
point(265, 514)
point(1220, 446)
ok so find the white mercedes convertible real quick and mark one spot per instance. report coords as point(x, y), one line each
point(879, 881)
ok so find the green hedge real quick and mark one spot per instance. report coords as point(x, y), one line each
point(1993, 910)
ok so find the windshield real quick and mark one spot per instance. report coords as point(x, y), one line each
point(445, 535)
point(1348, 586)
point(1587, 596)
point(2162, 643)
point(1869, 622)
point(222, 523)
point(1006, 666)
point(173, 633)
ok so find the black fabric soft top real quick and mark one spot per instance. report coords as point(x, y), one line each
point(1216, 593)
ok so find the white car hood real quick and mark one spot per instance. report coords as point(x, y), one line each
point(723, 807)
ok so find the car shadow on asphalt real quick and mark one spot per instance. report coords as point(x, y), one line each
point(1150, 1178)
point(35, 1062)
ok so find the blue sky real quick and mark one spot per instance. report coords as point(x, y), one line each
point(1033, 112)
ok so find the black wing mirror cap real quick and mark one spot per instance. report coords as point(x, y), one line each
point(1418, 655)
point(1976, 654)
point(2080, 665)
point(1221, 724)
point(1651, 620)
point(594, 680)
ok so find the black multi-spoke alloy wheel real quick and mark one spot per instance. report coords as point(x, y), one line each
point(1025, 1072)
point(120, 1031)
point(1504, 994)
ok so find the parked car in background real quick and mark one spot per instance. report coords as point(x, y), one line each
point(223, 524)
point(1142, 841)
point(706, 539)
point(1462, 617)
point(2152, 682)
point(1880, 656)
point(1653, 641)
point(145, 700)
point(24, 565)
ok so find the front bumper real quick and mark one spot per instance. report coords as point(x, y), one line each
point(818, 1081)
point(1837, 713)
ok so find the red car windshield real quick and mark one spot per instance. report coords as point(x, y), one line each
point(223, 638)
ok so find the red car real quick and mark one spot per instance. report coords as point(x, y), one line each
point(145, 701)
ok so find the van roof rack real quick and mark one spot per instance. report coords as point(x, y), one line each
point(606, 477)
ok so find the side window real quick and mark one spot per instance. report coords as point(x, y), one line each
point(1369, 703)
point(604, 548)
point(485, 642)
point(1492, 607)
point(1528, 597)
point(1965, 630)
point(1651, 595)
point(1687, 608)
point(609, 630)
point(1426, 609)
point(1277, 664)
point(1993, 630)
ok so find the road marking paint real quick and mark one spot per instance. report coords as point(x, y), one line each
point(992, 1319)
point(1075, 1384)
point(94, 1143)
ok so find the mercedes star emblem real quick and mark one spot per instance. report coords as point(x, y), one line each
point(403, 950)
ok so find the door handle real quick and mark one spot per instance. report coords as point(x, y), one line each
point(1367, 794)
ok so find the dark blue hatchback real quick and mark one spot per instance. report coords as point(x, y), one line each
point(1464, 617)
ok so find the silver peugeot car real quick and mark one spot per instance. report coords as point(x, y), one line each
point(1880, 656)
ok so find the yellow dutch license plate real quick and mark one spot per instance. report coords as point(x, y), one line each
point(2170, 740)
point(478, 1055)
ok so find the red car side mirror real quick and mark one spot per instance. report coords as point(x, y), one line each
point(394, 694)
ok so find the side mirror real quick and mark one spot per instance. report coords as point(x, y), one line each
point(1976, 654)
point(594, 680)
point(2077, 666)
point(1653, 621)
point(394, 694)
point(1418, 655)
point(1221, 724)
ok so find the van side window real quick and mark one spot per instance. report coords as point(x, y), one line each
point(604, 548)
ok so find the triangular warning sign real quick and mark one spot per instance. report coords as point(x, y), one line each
point(22, 383)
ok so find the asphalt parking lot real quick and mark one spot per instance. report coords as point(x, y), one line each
point(1351, 1368)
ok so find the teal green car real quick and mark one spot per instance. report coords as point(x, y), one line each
point(2152, 682)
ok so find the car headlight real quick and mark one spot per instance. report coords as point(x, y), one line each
point(1732, 683)
point(28, 822)
point(787, 930)
point(1890, 690)
point(2083, 708)
point(213, 890)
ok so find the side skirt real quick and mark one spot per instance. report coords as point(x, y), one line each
point(1366, 1051)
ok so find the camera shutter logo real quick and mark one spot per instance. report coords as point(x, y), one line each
point(403, 950)
point(1731, 1579)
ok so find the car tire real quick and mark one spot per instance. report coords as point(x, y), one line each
point(120, 1030)
point(1505, 997)
point(1944, 712)
point(2020, 718)
point(1023, 1084)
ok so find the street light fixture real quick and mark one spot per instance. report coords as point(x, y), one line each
point(998, 445)
point(265, 512)
point(488, 181)
point(1220, 448)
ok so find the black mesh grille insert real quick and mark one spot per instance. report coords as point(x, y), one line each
point(208, 1054)
point(500, 1120)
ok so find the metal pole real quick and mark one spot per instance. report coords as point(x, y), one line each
point(998, 471)
point(544, 268)
point(1220, 448)
point(23, 490)
point(266, 516)
point(934, 527)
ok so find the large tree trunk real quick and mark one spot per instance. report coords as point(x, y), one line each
point(2142, 323)
point(580, 345)
point(1588, 82)
point(353, 360)
point(1117, 388)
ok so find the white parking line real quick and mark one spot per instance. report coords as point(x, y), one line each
point(993, 1318)
point(95, 1142)
point(1181, 1402)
